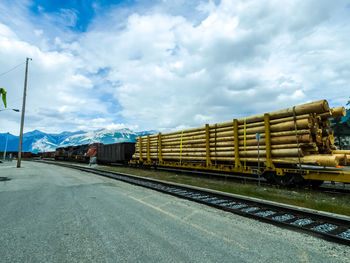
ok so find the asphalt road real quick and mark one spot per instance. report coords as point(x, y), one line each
point(54, 214)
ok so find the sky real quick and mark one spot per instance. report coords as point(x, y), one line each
point(168, 65)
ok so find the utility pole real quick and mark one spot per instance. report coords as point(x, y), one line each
point(22, 119)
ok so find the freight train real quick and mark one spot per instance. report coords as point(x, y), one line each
point(122, 153)
point(105, 153)
point(290, 146)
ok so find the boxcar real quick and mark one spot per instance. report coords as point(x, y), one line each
point(26, 154)
point(115, 153)
point(46, 154)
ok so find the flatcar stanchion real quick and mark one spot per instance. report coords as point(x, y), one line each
point(257, 136)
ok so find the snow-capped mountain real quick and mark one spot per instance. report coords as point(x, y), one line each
point(37, 141)
point(104, 136)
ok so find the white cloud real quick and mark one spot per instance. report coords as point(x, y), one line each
point(169, 67)
point(67, 17)
point(244, 57)
point(57, 92)
point(118, 126)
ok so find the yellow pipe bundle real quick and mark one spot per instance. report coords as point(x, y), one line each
point(295, 135)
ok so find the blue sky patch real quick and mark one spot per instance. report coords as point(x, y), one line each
point(75, 14)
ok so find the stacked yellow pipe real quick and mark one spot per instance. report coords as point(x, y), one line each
point(299, 134)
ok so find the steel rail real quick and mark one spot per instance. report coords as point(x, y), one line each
point(335, 228)
point(254, 180)
point(333, 190)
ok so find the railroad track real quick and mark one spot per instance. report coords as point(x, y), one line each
point(333, 190)
point(328, 226)
point(250, 179)
point(253, 180)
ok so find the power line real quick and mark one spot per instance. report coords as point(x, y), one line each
point(2, 74)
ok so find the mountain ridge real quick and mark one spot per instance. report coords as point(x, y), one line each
point(38, 141)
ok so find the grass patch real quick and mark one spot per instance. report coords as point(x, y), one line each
point(338, 204)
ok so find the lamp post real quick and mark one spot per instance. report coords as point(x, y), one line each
point(7, 137)
point(16, 110)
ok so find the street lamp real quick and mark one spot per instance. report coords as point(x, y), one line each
point(16, 110)
point(7, 137)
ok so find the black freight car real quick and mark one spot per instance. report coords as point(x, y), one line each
point(115, 153)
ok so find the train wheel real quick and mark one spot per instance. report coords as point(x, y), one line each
point(270, 177)
point(315, 183)
point(288, 180)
